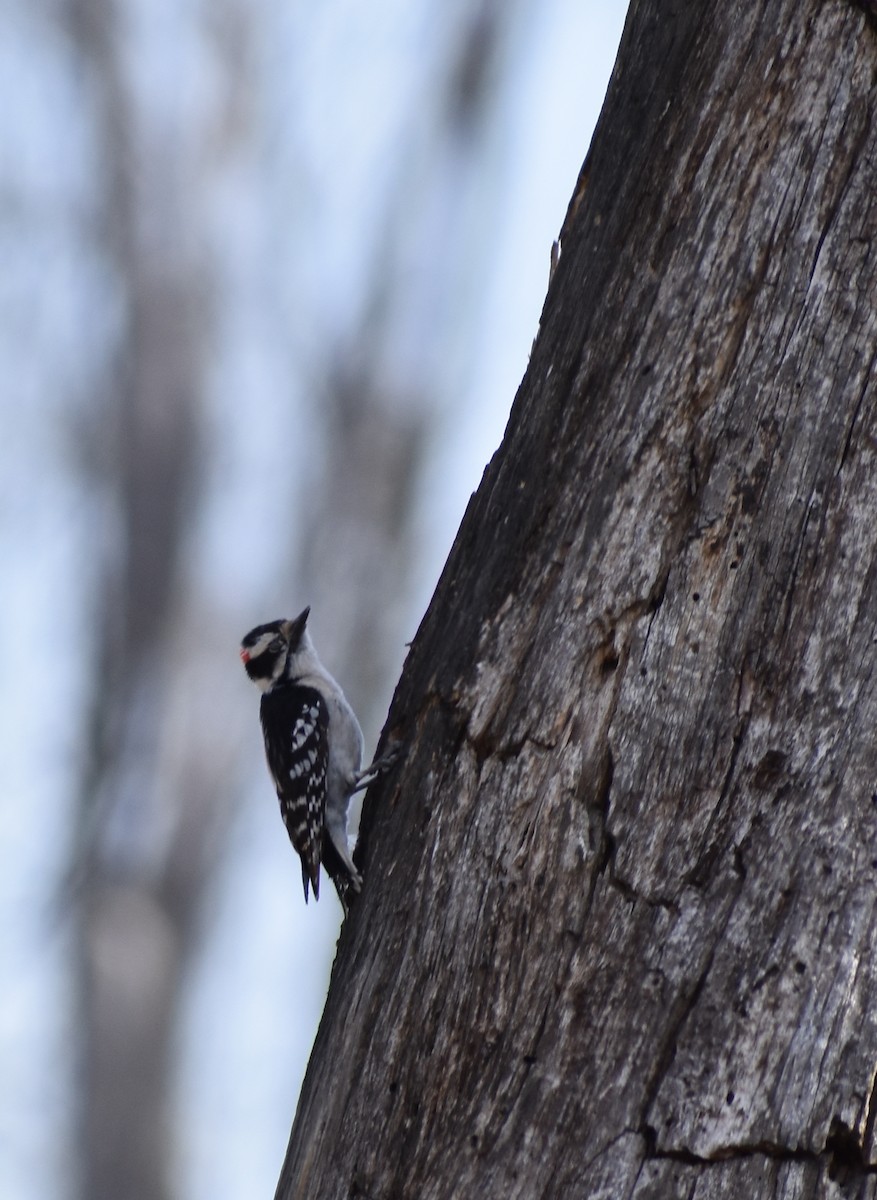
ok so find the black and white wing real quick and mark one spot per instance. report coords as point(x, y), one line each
point(295, 723)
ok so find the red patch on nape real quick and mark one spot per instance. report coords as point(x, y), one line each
point(245, 656)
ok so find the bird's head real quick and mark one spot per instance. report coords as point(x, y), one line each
point(266, 650)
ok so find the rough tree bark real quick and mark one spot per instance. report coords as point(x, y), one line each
point(616, 933)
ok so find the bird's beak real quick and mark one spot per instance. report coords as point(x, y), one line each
point(295, 628)
point(245, 656)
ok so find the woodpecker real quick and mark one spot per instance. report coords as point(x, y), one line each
point(314, 746)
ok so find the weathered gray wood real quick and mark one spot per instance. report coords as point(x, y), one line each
point(616, 938)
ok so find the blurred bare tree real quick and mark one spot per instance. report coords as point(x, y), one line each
point(142, 855)
point(158, 779)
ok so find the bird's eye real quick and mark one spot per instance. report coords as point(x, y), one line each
point(275, 646)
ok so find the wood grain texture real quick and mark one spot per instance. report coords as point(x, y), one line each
point(616, 936)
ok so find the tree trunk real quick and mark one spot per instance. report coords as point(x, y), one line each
point(615, 936)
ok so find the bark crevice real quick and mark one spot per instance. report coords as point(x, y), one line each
point(842, 1154)
point(869, 8)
